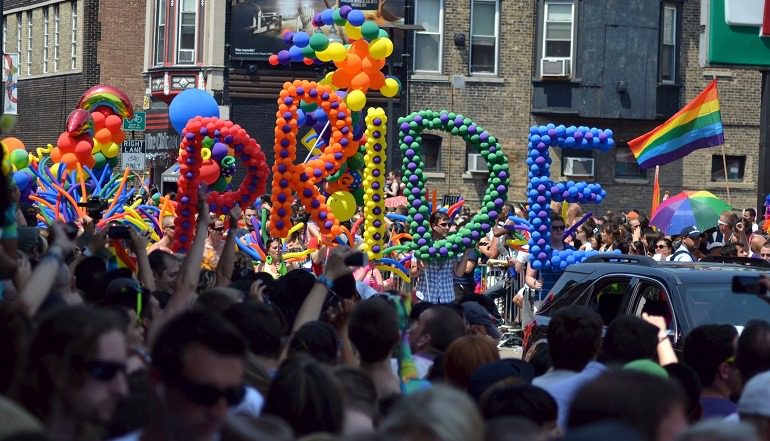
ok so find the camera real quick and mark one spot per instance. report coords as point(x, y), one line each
point(357, 259)
point(118, 232)
point(95, 207)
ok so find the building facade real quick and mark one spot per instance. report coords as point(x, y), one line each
point(626, 66)
point(66, 47)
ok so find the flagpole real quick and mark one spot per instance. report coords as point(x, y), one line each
point(727, 182)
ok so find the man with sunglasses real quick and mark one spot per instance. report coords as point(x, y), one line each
point(196, 377)
point(435, 279)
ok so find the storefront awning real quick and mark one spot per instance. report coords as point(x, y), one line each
point(171, 174)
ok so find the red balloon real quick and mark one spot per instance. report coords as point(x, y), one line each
point(273, 60)
point(83, 149)
point(113, 122)
point(98, 118)
point(66, 142)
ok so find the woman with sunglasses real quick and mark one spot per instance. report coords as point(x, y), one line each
point(663, 249)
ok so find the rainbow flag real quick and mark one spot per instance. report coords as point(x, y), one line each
point(697, 125)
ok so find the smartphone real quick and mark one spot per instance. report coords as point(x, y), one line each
point(357, 259)
point(118, 232)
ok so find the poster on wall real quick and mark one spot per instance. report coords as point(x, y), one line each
point(256, 26)
point(10, 83)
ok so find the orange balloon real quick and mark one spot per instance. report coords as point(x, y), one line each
point(103, 136)
point(372, 66)
point(69, 158)
point(376, 80)
point(360, 82)
point(352, 64)
point(13, 143)
point(359, 47)
point(118, 137)
point(55, 155)
point(341, 78)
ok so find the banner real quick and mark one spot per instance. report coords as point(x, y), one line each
point(10, 83)
point(257, 26)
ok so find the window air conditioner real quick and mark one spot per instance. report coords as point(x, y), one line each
point(476, 163)
point(555, 67)
point(578, 166)
point(186, 57)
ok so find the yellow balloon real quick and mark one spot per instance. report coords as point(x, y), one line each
point(389, 45)
point(205, 153)
point(353, 32)
point(390, 88)
point(112, 151)
point(54, 168)
point(98, 147)
point(323, 56)
point(337, 51)
point(378, 48)
point(356, 100)
point(342, 205)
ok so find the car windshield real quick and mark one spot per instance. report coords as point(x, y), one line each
point(716, 303)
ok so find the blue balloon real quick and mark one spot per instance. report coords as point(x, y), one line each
point(295, 53)
point(301, 39)
point(355, 17)
point(327, 17)
point(189, 104)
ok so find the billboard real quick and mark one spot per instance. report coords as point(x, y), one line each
point(256, 26)
point(10, 83)
point(733, 33)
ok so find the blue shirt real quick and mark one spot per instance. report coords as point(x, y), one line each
point(435, 282)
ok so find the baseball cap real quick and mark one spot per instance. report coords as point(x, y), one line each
point(713, 245)
point(121, 286)
point(691, 231)
point(647, 367)
point(475, 314)
point(755, 399)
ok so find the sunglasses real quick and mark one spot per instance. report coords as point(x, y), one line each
point(443, 225)
point(661, 246)
point(218, 229)
point(765, 255)
point(104, 370)
point(207, 395)
point(557, 227)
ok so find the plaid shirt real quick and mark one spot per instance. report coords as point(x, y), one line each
point(436, 281)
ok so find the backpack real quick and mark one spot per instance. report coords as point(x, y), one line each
point(679, 253)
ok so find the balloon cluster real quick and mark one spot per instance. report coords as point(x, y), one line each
point(93, 132)
point(359, 64)
point(541, 190)
point(224, 139)
point(374, 182)
point(419, 211)
point(290, 178)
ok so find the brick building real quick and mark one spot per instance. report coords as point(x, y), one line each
point(66, 47)
point(626, 66)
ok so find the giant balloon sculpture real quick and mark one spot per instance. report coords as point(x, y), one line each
point(541, 190)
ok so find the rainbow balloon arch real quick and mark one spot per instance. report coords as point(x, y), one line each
point(344, 171)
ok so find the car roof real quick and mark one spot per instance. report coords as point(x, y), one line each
point(677, 272)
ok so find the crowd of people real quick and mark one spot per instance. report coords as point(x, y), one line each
point(115, 338)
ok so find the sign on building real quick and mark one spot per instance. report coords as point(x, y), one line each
point(10, 83)
point(132, 155)
point(257, 25)
point(137, 123)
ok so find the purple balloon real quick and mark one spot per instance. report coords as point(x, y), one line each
point(219, 151)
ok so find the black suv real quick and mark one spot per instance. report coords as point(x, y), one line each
point(687, 294)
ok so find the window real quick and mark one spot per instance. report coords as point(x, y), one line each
point(652, 299)
point(607, 297)
point(736, 165)
point(558, 33)
point(19, 30)
point(431, 152)
point(5, 35)
point(668, 44)
point(474, 162)
point(56, 37)
point(626, 165)
point(29, 42)
point(484, 31)
point(160, 32)
point(428, 43)
point(45, 40)
point(74, 37)
point(187, 27)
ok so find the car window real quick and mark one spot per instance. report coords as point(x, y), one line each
point(606, 296)
point(653, 299)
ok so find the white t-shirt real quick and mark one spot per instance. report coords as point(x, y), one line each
point(682, 257)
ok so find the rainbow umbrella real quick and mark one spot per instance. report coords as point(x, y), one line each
point(698, 208)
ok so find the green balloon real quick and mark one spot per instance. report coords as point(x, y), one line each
point(100, 160)
point(308, 52)
point(338, 19)
point(358, 195)
point(219, 185)
point(356, 162)
point(382, 33)
point(370, 30)
point(307, 107)
point(207, 142)
point(319, 42)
